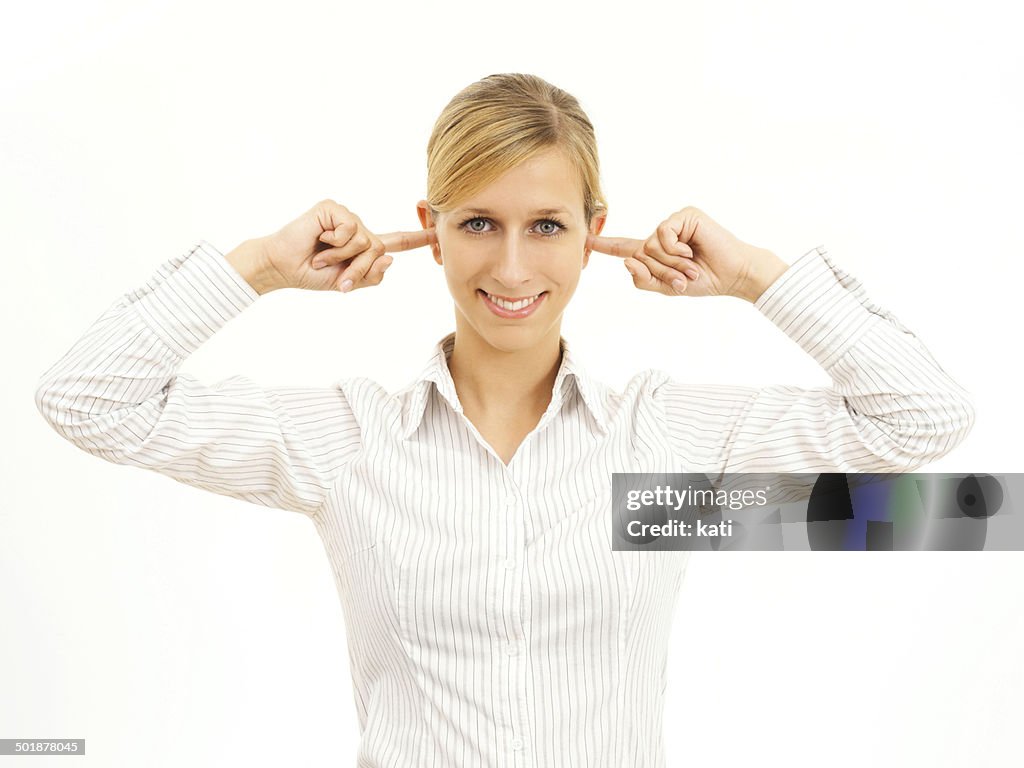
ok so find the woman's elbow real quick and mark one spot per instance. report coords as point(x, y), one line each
point(933, 433)
point(48, 401)
point(969, 414)
point(955, 429)
point(71, 414)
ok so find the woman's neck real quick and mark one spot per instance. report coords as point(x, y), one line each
point(494, 382)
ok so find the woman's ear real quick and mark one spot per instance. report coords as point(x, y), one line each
point(428, 221)
point(596, 225)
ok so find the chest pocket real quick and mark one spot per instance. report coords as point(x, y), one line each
point(575, 582)
point(363, 588)
point(438, 555)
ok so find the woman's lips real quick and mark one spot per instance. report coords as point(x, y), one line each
point(512, 314)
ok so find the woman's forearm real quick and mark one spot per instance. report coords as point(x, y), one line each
point(764, 271)
point(250, 261)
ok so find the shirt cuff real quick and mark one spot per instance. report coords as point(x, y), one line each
point(821, 307)
point(191, 297)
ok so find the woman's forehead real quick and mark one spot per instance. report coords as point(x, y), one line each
point(550, 210)
point(544, 185)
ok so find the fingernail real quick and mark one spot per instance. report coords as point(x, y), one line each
point(679, 285)
point(346, 286)
point(693, 274)
point(318, 263)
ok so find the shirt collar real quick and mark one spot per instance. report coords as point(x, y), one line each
point(570, 374)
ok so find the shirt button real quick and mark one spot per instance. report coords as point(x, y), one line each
point(510, 649)
point(517, 744)
point(510, 563)
point(510, 501)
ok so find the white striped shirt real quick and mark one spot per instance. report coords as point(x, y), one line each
point(489, 622)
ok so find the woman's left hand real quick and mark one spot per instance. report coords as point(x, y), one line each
point(690, 253)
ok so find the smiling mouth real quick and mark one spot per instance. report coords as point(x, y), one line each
point(512, 304)
point(512, 309)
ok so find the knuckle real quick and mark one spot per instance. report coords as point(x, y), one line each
point(378, 248)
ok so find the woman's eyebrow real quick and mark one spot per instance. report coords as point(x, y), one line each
point(538, 212)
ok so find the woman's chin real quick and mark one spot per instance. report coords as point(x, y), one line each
point(512, 339)
point(507, 334)
point(507, 337)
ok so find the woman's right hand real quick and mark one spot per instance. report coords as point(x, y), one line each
point(329, 248)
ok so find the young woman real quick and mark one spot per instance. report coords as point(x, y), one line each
point(467, 516)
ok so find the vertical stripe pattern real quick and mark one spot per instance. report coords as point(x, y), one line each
point(489, 622)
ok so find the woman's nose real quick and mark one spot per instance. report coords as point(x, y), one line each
point(513, 264)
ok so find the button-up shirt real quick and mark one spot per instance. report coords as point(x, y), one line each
point(488, 620)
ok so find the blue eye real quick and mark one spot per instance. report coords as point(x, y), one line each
point(555, 227)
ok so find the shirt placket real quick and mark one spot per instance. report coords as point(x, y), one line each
point(514, 643)
point(510, 601)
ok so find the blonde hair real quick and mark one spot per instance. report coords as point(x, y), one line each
point(498, 122)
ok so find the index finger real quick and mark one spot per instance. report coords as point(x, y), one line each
point(616, 246)
point(405, 241)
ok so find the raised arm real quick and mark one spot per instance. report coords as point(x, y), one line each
point(891, 406)
point(117, 392)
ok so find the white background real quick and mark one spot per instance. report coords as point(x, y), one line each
point(169, 626)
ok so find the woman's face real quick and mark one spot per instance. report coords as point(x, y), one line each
point(521, 236)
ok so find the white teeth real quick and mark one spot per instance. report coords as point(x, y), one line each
point(512, 305)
